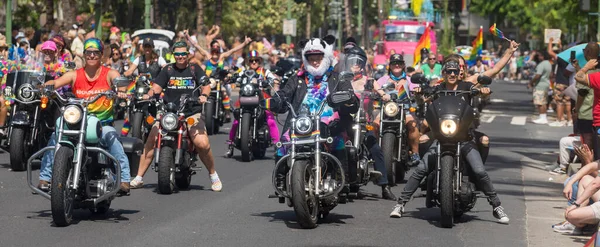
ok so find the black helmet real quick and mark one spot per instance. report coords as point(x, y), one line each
point(396, 58)
point(353, 57)
point(424, 51)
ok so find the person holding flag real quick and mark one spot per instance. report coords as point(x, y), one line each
point(477, 48)
point(423, 45)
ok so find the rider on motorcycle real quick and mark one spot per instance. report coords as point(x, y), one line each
point(171, 79)
point(315, 81)
point(397, 76)
point(87, 82)
point(355, 60)
point(469, 152)
point(255, 62)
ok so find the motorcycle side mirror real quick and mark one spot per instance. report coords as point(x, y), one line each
point(484, 80)
point(341, 97)
point(70, 65)
point(346, 76)
point(419, 79)
point(121, 81)
point(369, 85)
point(389, 86)
point(204, 80)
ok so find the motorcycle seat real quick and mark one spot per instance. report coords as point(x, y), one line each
point(131, 144)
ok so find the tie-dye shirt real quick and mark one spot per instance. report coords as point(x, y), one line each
point(176, 82)
point(210, 67)
point(83, 88)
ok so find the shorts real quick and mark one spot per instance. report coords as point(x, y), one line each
point(596, 208)
point(540, 97)
point(585, 126)
point(559, 96)
point(199, 126)
point(574, 191)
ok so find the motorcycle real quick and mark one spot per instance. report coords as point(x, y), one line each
point(450, 186)
point(84, 175)
point(394, 135)
point(253, 137)
point(32, 116)
point(175, 155)
point(213, 110)
point(120, 105)
point(138, 108)
point(313, 177)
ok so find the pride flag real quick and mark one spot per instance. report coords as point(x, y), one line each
point(496, 32)
point(477, 47)
point(424, 42)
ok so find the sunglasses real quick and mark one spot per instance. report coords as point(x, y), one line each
point(90, 53)
point(48, 52)
point(432, 59)
point(180, 54)
point(254, 60)
point(452, 71)
point(397, 64)
point(147, 46)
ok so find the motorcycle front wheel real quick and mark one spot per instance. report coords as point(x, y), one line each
point(166, 173)
point(447, 191)
point(245, 137)
point(305, 202)
point(18, 150)
point(63, 197)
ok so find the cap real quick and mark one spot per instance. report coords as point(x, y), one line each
point(49, 45)
point(396, 58)
point(451, 65)
point(20, 35)
point(148, 41)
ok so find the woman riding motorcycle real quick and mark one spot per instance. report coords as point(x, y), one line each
point(315, 81)
point(355, 62)
point(397, 77)
point(255, 62)
point(469, 152)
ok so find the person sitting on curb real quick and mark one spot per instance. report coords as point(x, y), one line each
point(560, 167)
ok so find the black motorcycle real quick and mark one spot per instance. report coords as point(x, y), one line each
point(140, 108)
point(175, 154)
point(313, 177)
point(451, 186)
point(214, 111)
point(253, 136)
point(394, 135)
point(32, 116)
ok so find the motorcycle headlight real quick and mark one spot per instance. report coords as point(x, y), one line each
point(247, 90)
point(449, 127)
point(25, 94)
point(72, 114)
point(8, 91)
point(303, 125)
point(213, 82)
point(391, 109)
point(169, 121)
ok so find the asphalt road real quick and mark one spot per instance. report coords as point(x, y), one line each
point(242, 215)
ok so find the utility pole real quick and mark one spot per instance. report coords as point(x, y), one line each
point(147, 14)
point(288, 38)
point(9, 21)
point(339, 38)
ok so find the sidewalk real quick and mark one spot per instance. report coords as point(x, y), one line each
point(545, 205)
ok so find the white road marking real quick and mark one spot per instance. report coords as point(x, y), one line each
point(497, 100)
point(518, 120)
point(487, 118)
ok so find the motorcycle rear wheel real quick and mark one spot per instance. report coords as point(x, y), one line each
point(63, 197)
point(304, 201)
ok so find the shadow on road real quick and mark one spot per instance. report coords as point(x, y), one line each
point(289, 218)
point(112, 216)
point(192, 187)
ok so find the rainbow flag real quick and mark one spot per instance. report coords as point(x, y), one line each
point(477, 46)
point(496, 32)
point(463, 5)
point(424, 42)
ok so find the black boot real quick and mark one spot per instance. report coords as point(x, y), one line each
point(386, 193)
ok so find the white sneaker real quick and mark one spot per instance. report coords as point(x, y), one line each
point(136, 184)
point(558, 124)
point(550, 110)
point(570, 123)
point(398, 211)
point(567, 228)
point(540, 121)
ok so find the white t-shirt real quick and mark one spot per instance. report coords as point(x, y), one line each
point(161, 61)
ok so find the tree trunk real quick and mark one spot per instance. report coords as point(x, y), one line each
point(218, 12)
point(157, 19)
point(347, 9)
point(70, 11)
point(308, 14)
point(380, 19)
point(200, 17)
point(50, 12)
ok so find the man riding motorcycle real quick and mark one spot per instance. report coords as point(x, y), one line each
point(315, 82)
point(255, 62)
point(355, 60)
point(397, 76)
point(87, 82)
point(177, 79)
point(469, 152)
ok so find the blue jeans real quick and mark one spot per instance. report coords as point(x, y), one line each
point(109, 140)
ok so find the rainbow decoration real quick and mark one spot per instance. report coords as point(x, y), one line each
point(226, 102)
point(126, 128)
point(496, 32)
point(477, 47)
point(424, 42)
point(93, 43)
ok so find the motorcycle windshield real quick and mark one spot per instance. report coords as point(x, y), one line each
point(450, 107)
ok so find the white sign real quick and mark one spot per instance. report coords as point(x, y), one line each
point(289, 27)
point(551, 33)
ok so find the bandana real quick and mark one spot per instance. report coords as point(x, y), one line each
point(396, 78)
point(93, 43)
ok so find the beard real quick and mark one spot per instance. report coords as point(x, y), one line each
point(319, 71)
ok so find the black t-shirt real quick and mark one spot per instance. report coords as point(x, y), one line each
point(559, 69)
point(176, 82)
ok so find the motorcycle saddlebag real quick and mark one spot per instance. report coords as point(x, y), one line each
point(134, 148)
